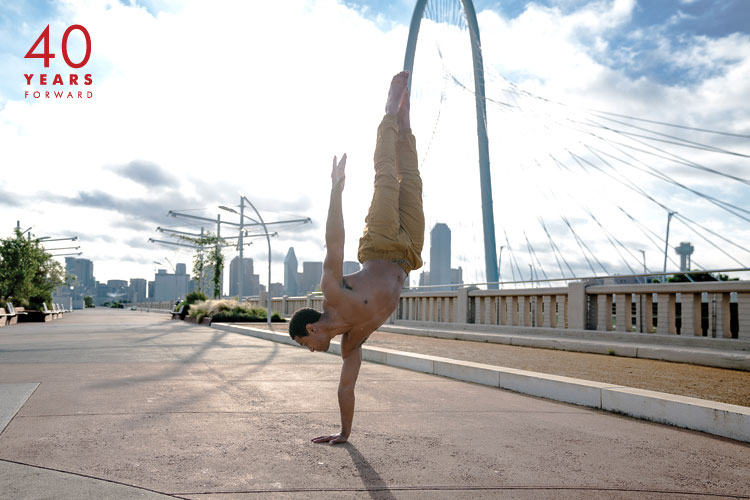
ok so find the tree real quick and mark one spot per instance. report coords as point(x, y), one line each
point(214, 258)
point(28, 274)
point(88, 301)
point(698, 277)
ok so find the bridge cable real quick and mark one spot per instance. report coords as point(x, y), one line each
point(513, 259)
point(643, 193)
point(664, 177)
point(674, 157)
point(556, 250)
point(683, 142)
point(531, 247)
point(578, 240)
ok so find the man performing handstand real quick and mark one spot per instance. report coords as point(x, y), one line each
point(357, 304)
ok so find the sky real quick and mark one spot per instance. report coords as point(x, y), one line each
point(194, 104)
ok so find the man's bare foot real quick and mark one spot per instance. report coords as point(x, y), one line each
point(403, 115)
point(396, 93)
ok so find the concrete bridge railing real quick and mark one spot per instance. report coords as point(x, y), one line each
point(710, 309)
point(167, 306)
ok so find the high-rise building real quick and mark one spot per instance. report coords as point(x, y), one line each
point(457, 276)
point(440, 255)
point(100, 294)
point(83, 269)
point(350, 267)
point(117, 290)
point(137, 290)
point(168, 287)
point(250, 281)
point(290, 273)
point(277, 290)
point(312, 272)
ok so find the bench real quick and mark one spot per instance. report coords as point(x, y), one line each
point(48, 314)
point(179, 312)
point(4, 317)
point(57, 310)
point(13, 314)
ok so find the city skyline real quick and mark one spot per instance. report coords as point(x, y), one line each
point(112, 167)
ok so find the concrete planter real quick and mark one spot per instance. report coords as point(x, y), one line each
point(32, 316)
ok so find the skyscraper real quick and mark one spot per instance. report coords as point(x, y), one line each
point(83, 269)
point(290, 273)
point(440, 255)
point(170, 286)
point(249, 285)
point(312, 272)
point(137, 290)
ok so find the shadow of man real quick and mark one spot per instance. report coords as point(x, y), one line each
point(376, 487)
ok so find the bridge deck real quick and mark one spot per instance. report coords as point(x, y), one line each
point(134, 405)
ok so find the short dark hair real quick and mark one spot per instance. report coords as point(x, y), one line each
point(300, 320)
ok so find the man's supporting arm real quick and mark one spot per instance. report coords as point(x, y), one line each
point(349, 374)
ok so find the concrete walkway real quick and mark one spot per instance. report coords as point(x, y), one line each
point(133, 405)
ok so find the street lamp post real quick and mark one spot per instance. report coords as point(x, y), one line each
point(242, 215)
point(666, 246)
point(241, 263)
point(268, 235)
point(499, 264)
point(268, 239)
point(643, 252)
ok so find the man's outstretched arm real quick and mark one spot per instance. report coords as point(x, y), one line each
point(333, 265)
point(349, 374)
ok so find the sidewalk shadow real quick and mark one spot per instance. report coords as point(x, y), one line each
point(376, 487)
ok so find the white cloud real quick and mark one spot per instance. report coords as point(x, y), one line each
point(256, 97)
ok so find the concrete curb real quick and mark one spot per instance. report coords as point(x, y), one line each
point(736, 360)
point(721, 419)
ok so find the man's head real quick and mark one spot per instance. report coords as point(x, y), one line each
point(305, 330)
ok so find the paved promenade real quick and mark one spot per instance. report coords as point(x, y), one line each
point(123, 404)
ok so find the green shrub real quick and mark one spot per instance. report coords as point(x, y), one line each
point(18, 302)
point(37, 302)
point(197, 296)
point(241, 314)
point(229, 311)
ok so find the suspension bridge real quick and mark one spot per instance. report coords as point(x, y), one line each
point(569, 187)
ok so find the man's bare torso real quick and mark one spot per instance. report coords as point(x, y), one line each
point(368, 299)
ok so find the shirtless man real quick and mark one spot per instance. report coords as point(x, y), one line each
point(357, 304)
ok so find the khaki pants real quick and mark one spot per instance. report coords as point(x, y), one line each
point(394, 226)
